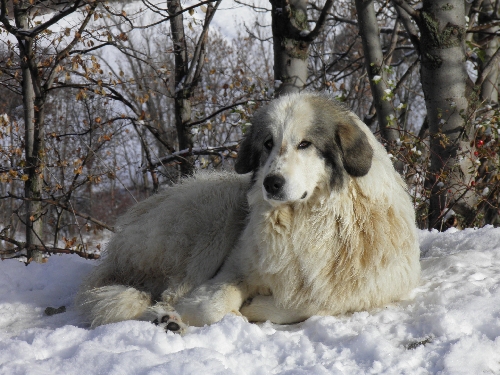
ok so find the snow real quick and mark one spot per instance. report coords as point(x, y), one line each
point(449, 325)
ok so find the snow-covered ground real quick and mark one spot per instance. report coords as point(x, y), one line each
point(451, 325)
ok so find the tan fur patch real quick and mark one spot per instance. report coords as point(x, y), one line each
point(281, 218)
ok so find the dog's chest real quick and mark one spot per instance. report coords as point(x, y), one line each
point(291, 246)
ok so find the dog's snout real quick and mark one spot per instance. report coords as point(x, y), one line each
point(274, 183)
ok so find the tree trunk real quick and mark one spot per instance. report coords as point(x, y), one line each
point(182, 106)
point(489, 86)
point(289, 22)
point(489, 81)
point(33, 122)
point(444, 77)
point(374, 61)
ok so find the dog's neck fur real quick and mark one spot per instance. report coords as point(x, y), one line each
point(279, 217)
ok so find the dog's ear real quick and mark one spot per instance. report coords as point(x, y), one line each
point(357, 153)
point(248, 156)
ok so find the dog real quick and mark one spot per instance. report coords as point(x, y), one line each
point(316, 221)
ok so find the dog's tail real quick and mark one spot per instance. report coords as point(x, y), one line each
point(112, 303)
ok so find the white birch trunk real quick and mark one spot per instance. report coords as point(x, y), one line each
point(289, 20)
point(444, 78)
point(374, 63)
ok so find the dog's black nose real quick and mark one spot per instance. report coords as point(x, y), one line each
point(274, 183)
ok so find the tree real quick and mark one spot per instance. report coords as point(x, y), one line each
point(38, 73)
point(437, 32)
point(375, 66)
point(291, 40)
point(187, 73)
point(441, 47)
point(176, 95)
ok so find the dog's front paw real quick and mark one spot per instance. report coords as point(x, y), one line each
point(165, 316)
point(171, 322)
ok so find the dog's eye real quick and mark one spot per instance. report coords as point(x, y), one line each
point(269, 144)
point(304, 144)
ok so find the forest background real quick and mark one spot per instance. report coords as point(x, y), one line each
point(105, 103)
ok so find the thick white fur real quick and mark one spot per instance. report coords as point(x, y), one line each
point(191, 249)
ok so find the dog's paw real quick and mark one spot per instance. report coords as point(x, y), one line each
point(171, 322)
point(165, 316)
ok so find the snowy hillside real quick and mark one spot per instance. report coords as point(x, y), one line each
point(450, 326)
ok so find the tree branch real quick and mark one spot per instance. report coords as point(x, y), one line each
point(194, 151)
point(165, 19)
point(59, 16)
point(194, 123)
point(410, 28)
point(394, 41)
point(415, 14)
point(494, 61)
point(4, 20)
point(65, 52)
point(319, 23)
point(198, 59)
point(406, 74)
point(64, 207)
point(21, 249)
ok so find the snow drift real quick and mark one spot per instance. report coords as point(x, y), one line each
point(451, 325)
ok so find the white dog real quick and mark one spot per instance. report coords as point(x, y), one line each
point(319, 223)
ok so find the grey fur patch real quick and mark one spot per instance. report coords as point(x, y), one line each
point(252, 147)
point(248, 155)
point(339, 140)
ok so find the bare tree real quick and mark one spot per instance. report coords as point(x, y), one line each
point(179, 96)
point(376, 69)
point(488, 17)
point(187, 73)
point(441, 46)
point(291, 40)
point(37, 77)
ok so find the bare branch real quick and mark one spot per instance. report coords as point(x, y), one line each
point(493, 63)
point(254, 7)
point(392, 47)
point(64, 207)
point(222, 110)
point(179, 155)
point(415, 14)
point(4, 20)
point(198, 59)
point(408, 25)
point(333, 16)
point(87, 50)
point(59, 16)
point(406, 74)
point(486, 26)
point(22, 247)
point(165, 19)
point(319, 23)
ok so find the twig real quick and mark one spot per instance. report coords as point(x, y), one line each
point(64, 207)
point(165, 19)
point(415, 14)
point(404, 16)
point(222, 110)
point(489, 66)
point(319, 23)
point(194, 151)
point(19, 251)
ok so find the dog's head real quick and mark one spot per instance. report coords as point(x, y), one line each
point(300, 141)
